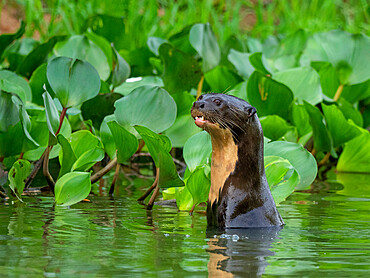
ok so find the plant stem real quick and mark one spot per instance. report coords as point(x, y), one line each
point(324, 160)
point(45, 169)
point(97, 176)
point(111, 190)
point(146, 194)
point(200, 86)
point(313, 152)
point(152, 199)
point(35, 170)
point(338, 92)
point(62, 115)
point(21, 155)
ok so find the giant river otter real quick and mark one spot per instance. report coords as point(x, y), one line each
point(240, 196)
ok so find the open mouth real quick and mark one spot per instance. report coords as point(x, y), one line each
point(200, 121)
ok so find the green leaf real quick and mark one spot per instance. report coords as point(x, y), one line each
point(110, 27)
point(300, 119)
point(181, 71)
point(25, 121)
point(133, 83)
point(67, 157)
point(9, 146)
point(356, 92)
point(257, 63)
point(126, 143)
point(52, 114)
point(341, 131)
point(346, 52)
point(221, 79)
point(281, 177)
point(168, 176)
point(350, 112)
point(204, 41)
point(37, 82)
point(18, 175)
point(81, 48)
point(36, 57)
point(88, 159)
point(7, 39)
point(148, 106)
point(73, 81)
point(12, 83)
point(154, 43)
point(304, 83)
point(241, 62)
point(155, 143)
point(182, 130)
point(121, 69)
point(302, 161)
point(268, 96)
point(274, 127)
point(198, 185)
point(321, 136)
point(356, 156)
point(184, 200)
point(181, 41)
point(8, 112)
point(104, 46)
point(197, 150)
point(82, 141)
point(107, 137)
point(72, 188)
point(328, 78)
point(97, 108)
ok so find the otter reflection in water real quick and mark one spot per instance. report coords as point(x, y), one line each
point(240, 196)
point(240, 252)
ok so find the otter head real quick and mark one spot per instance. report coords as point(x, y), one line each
point(214, 112)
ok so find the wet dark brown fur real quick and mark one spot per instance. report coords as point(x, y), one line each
point(240, 196)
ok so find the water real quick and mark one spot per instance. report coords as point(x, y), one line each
point(326, 234)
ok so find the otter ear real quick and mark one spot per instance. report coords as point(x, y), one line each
point(250, 111)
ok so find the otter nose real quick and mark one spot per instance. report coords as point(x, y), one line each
point(198, 104)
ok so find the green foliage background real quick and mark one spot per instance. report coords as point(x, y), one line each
point(303, 64)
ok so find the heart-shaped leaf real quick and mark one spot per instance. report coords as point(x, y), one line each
point(148, 106)
point(73, 81)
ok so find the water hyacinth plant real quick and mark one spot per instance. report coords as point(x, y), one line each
point(72, 98)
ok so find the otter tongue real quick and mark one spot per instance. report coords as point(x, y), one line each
point(200, 121)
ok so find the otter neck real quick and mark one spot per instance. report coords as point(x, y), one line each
point(224, 158)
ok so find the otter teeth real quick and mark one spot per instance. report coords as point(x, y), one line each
point(199, 117)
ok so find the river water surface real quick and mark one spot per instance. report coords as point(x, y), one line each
point(327, 234)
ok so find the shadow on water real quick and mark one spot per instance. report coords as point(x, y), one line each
point(240, 252)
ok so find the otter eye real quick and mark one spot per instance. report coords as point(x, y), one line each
point(217, 101)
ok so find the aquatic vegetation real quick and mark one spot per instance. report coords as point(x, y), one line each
point(71, 97)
